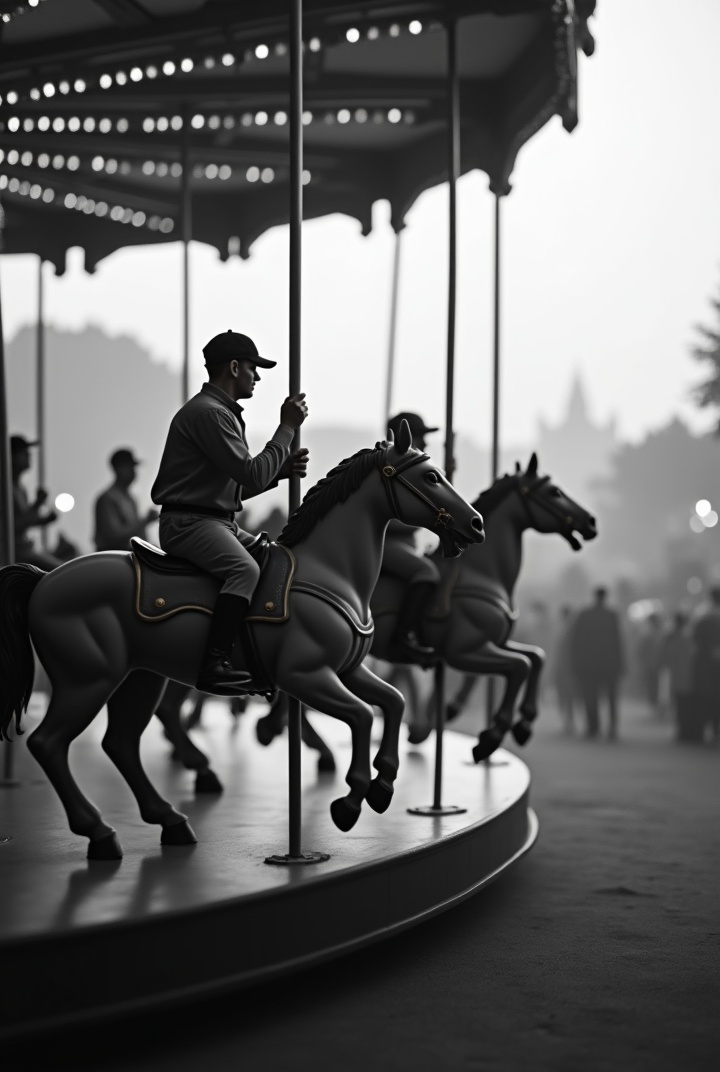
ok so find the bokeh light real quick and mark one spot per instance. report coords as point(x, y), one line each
point(702, 507)
point(64, 502)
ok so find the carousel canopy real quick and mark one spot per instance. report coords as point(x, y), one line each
point(110, 106)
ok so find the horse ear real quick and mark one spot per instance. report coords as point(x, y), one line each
point(404, 438)
point(518, 467)
point(533, 466)
point(390, 436)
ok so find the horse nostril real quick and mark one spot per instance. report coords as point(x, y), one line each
point(477, 525)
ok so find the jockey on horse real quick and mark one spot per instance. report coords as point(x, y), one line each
point(402, 560)
point(205, 471)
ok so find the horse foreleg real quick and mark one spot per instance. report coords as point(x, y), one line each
point(457, 705)
point(311, 738)
point(521, 730)
point(373, 690)
point(273, 723)
point(320, 688)
point(169, 711)
point(130, 708)
point(71, 710)
point(515, 668)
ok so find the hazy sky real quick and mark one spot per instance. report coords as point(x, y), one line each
point(611, 251)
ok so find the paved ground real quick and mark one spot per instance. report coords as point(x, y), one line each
point(599, 951)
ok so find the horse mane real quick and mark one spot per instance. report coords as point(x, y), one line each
point(334, 488)
point(490, 499)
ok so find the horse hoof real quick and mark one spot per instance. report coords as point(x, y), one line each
point(379, 796)
point(105, 848)
point(207, 781)
point(326, 763)
point(344, 815)
point(418, 734)
point(522, 732)
point(487, 743)
point(178, 834)
point(264, 733)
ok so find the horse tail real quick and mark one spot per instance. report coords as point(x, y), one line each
point(17, 662)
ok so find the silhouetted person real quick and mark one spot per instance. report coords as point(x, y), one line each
point(676, 656)
point(205, 472)
point(598, 661)
point(401, 559)
point(28, 515)
point(649, 653)
point(117, 517)
point(563, 674)
point(706, 664)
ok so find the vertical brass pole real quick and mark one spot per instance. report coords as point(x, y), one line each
point(495, 458)
point(7, 528)
point(496, 350)
point(437, 807)
point(40, 393)
point(295, 855)
point(186, 226)
point(392, 334)
point(453, 173)
point(296, 214)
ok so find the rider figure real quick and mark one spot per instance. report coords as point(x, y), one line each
point(401, 559)
point(205, 471)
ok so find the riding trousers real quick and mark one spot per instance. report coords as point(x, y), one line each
point(215, 545)
point(400, 560)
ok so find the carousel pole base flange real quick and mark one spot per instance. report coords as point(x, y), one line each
point(286, 860)
point(439, 809)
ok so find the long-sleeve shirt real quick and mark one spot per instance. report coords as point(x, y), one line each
point(207, 462)
point(116, 519)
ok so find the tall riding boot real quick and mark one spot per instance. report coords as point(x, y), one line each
point(406, 647)
point(217, 674)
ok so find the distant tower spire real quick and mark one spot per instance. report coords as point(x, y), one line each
point(577, 411)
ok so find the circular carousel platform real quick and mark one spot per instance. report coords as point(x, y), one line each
point(81, 939)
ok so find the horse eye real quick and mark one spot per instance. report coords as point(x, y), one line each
point(556, 493)
point(433, 478)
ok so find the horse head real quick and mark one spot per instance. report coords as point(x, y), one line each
point(549, 509)
point(422, 496)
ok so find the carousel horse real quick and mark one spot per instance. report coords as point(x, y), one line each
point(112, 627)
point(471, 622)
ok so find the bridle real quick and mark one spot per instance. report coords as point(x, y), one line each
point(528, 494)
point(392, 475)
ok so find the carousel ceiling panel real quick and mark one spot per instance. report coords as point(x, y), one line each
point(96, 132)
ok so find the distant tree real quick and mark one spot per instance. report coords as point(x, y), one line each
point(650, 495)
point(707, 393)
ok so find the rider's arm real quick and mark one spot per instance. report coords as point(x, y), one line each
point(218, 437)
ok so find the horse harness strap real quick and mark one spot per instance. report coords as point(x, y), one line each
point(442, 610)
point(362, 631)
point(527, 494)
point(393, 474)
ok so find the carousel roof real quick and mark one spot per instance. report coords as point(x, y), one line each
point(106, 101)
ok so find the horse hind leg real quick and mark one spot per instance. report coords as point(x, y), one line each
point(130, 708)
point(515, 668)
point(71, 710)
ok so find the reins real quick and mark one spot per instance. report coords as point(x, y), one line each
point(528, 494)
point(392, 474)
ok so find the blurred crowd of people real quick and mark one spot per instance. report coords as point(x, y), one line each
point(673, 663)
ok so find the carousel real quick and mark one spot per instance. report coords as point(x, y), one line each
point(129, 124)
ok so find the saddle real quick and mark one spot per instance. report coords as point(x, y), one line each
point(166, 585)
